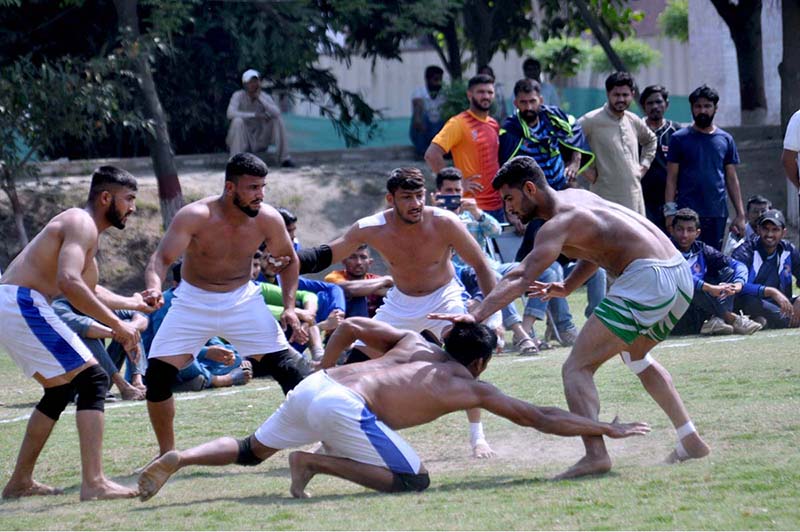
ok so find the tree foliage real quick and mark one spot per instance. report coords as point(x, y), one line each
point(674, 20)
point(562, 56)
point(635, 53)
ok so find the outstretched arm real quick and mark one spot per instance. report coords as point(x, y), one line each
point(377, 335)
point(172, 246)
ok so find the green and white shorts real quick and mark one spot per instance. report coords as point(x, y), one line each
point(648, 299)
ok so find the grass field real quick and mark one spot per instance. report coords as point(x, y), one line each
point(742, 393)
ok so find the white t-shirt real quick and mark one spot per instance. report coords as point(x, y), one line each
point(432, 106)
point(792, 139)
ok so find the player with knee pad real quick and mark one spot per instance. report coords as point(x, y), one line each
point(410, 482)
point(91, 387)
point(246, 456)
point(55, 400)
point(160, 376)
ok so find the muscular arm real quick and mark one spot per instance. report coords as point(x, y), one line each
point(172, 246)
point(377, 335)
point(367, 287)
point(280, 245)
point(579, 275)
point(789, 161)
point(434, 156)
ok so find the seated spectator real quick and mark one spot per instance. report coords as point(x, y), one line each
point(426, 116)
point(717, 281)
point(481, 226)
point(363, 290)
point(771, 261)
point(93, 334)
point(756, 206)
point(256, 121)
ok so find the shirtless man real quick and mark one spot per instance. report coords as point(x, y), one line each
point(416, 243)
point(61, 260)
point(355, 410)
point(653, 289)
point(217, 237)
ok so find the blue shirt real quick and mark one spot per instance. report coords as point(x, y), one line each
point(702, 158)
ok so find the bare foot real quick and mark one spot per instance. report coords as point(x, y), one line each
point(481, 450)
point(105, 491)
point(587, 466)
point(694, 446)
point(131, 393)
point(301, 475)
point(157, 473)
point(32, 489)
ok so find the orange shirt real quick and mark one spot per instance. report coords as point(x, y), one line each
point(474, 143)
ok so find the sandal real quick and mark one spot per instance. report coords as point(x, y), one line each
point(526, 346)
point(238, 377)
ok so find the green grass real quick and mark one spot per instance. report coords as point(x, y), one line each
point(742, 393)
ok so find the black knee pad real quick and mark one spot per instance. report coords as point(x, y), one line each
point(356, 355)
point(91, 386)
point(160, 376)
point(246, 457)
point(410, 482)
point(55, 400)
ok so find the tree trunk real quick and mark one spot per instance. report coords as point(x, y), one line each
point(169, 187)
point(10, 188)
point(789, 68)
point(479, 28)
point(744, 23)
point(453, 50)
point(600, 35)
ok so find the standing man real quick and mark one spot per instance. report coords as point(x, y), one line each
point(652, 291)
point(256, 121)
point(791, 148)
point(655, 102)
point(472, 138)
point(61, 260)
point(701, 167)
point(426, 110)
point(532, 70)
point(416, 242)
point(617, 136)
point(217, 237)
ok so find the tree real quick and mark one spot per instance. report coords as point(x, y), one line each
point(674, 20)
point(744, 22)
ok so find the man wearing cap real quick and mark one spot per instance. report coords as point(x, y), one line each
point(771, 262)
point(256, 121)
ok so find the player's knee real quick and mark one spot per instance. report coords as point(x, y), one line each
point(410, 482)
point(246, 456)
point(160, 376)
point(55, 400)
point(637, 366)
point(91, 386)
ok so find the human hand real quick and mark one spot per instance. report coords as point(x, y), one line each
point(272, 266)
point(729, 289)
point(306, 316)
point(127, 335)
point(471, 206)
point(334, 319)
point(221, 354)
point(472, 184)
point(787, 309)
point(571, 171)
point(289, 319)
point(148, 301)
point(454, 318)
point(643, 170)
point(624, 430)
point(546, 291)
point(737, 226)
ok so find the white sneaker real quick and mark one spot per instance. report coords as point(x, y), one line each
point(715, 326)
point(744, 325)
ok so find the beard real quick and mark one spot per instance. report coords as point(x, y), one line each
point(244, 207)
point(703, 120)
point(655, 115)
point(478, 105)
point(115, 217)
point(528, 211)
point(529, 116)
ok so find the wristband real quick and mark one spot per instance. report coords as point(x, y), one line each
point(670, 208)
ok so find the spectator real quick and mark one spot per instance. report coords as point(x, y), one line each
point(532, 69)
point(791, 147)
point(472, 137)
point(426, 110)
point(256, 121)
point(500, 108)
point(363, 290)
point(771, 261)
point(93, 334)
point(544, 132)
point(655, 102)
point(290, 220)
point(756, 206)
point(482, 227)
point(701, 167)
point(616, 136)
point(717, 281)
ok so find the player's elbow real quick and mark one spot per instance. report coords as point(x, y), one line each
point(69, 283)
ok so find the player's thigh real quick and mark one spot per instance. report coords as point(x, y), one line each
point(595, 345)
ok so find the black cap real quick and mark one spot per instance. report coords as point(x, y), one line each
point(773, 215)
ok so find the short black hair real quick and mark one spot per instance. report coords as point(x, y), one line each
point(532, 62)
point(432, 70)
point(105, 177)
point(488, 69)
point(449, 173)
point(244, 164)
point(620, 79)
point(652, 89)
point(527, 85)
point(408, 178)
point(704, 91)
point(480, 79)
point(288, 216)
point(686, 215)
point(515, 172)
point(468, 342)
point(758, 198)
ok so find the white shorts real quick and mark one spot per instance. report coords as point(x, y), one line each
point(321, 409)
point(196, 315)
point(35, 337)
point(648, 299)
point(410, 312)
